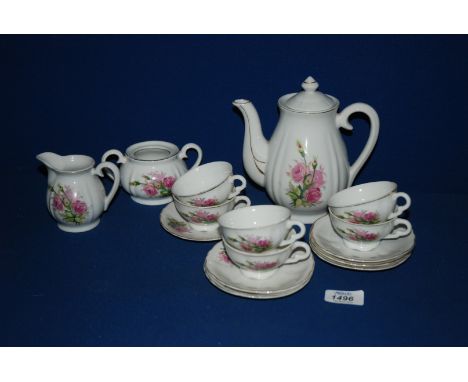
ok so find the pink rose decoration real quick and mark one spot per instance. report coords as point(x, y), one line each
point(150, 189)
point(246, 246)
point(319, 178)
point(69, 193)
point(263, 243)
point(264, 265)
point(57, 203)
point(157, 175)
point(313, 195)
point(298, 172)
point(169, 181)
point(79, 207)
point(201, 202)
point(370, 216)
point(365, 236)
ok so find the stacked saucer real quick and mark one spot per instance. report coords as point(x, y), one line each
point(327, 245)
point(226, 276)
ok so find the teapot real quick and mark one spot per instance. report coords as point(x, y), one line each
point(305, 162)
point(75, 195)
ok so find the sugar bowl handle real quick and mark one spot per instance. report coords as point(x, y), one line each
point(342, 120)
point(116, 178)
point(183, 153)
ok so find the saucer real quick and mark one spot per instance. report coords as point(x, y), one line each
point(330, 247)
point(173, 223)
point(360, 266)
point(288, 279)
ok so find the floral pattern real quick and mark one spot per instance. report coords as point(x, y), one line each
point(361, 217)
point(68, 205)
point(359, 234)
point(223, 257)
point(155, 184)
point(307, 180)
point(201, 217)
point(254, 244)
point(204, 202)
point(177, 225)
point(261, 265)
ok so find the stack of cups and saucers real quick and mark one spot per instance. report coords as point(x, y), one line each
point(254, 242)
point(363, 229)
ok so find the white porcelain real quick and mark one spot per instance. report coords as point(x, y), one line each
point(226, 276)
point(206, 218)
point(173, 223)
point(360, 266)
point(324, 237)
point(369, 203)
point(265, 264)
point(208, 185)
point(305, 162)
point(149, 169)
point(75, 195)
point(365, 237)
point(259, 228)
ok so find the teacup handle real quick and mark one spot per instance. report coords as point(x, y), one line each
point(183, 153)
point(297, 235)
point(342, 121)
point(241, 198)
point(402, 208)
point(405, 232)
point(121, 159)
point(238, 189)
point(295, 258)
point(116, 178)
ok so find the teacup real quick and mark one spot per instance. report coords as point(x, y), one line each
point(149, 169)
point(258, 229)
point(369, 203)
point(366, 237)
point(208, 185)
point(206, 218)
point(263, 265)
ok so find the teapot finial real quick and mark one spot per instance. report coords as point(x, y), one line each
point(310, 85)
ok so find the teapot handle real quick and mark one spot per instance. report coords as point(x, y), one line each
point(116, 178)
point(342, 121)
point(183, 153)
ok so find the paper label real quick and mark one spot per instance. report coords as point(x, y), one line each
point(347, 297)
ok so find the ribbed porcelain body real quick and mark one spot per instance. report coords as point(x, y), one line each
point(307, 163)
point(75, 199)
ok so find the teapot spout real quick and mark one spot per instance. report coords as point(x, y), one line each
point(53, 161)
point(255, 152)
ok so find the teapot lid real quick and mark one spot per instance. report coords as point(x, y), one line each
point(309, 100)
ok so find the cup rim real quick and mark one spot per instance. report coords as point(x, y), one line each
point(176, 199)
point(359, 224)
point(168, 145)
point(393, 185)
point(191, 171)
point(262, 206)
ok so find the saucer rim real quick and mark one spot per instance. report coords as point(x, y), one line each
point(253, 294)
point(180, 235)
point(363, 267)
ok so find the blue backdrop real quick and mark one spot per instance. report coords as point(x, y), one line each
point(128, 282)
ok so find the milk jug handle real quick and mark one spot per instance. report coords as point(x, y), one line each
point(342, 120)
point(116, 178)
